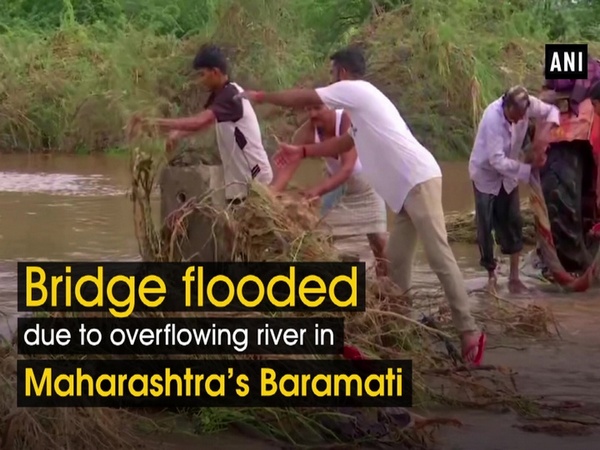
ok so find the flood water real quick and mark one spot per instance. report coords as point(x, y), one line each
point(75, 208)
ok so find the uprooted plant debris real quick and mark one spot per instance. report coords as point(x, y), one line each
point(56, 428)
point(281, 228)
point(269, 227)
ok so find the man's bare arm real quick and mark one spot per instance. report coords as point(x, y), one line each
point(340, 177)
point(174, 137)
point(302, 136)
point(348, 160)
point(177, 135)
point(544, 111)
point(330, 147)
point(190, 124)
point(293, 98)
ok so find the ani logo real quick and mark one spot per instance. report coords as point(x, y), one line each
point(566, 61)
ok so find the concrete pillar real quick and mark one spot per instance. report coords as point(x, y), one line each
point(179, 184)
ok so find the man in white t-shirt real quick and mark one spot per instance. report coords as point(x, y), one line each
point(238, 133)
point(400, 170)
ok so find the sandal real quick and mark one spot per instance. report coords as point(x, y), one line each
point(352, 353)
point(480, 349)
point(595, 231)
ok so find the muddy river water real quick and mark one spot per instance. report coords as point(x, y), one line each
point(75, 208)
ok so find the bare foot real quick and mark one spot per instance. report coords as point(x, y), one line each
point(493, 284)
point(517, 287)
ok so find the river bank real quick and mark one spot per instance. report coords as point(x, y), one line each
point(74, 73)
point(544, 369)
point(82, 200)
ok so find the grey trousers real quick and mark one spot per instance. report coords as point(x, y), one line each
point(423, 217)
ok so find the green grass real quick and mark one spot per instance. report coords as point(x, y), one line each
point(72, 72)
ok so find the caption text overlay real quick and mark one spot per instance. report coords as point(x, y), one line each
point(183, 336)
point(125, 288)
point(214, 383)
point(131, 299)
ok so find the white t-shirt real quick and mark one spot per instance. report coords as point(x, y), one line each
point(392, 159)
point(239, 140)
point(333, 163)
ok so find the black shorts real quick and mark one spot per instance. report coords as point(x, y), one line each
point(498, 215)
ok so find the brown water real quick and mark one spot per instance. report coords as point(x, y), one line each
point(75, 208)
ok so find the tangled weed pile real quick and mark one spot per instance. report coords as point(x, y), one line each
point(266, 228)
point(56, 428)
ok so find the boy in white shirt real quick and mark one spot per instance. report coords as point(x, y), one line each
point(238, 133)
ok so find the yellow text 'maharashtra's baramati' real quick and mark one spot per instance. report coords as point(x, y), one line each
point(190, 384)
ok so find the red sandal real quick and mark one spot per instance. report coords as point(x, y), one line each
point(352, 353)
point(480, 349)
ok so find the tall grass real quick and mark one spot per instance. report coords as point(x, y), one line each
point(443, 63)
point(72, 71)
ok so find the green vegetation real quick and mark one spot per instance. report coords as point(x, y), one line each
point(73, 71)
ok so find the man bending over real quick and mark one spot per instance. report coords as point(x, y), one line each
point(399, 168)
point(495, 171)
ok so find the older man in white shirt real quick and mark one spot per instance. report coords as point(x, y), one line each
point(495, 171)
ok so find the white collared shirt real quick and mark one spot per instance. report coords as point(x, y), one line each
point(494, 159)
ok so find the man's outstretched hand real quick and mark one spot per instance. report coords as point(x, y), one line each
point(288, 154)
point(172, 139)
point(252, 96)
point(135, 126)
point(537, 159)
point(138, 124)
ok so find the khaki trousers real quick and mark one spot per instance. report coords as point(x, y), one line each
point(423, 216)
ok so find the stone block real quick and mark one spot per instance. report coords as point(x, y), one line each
point(179, 184)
